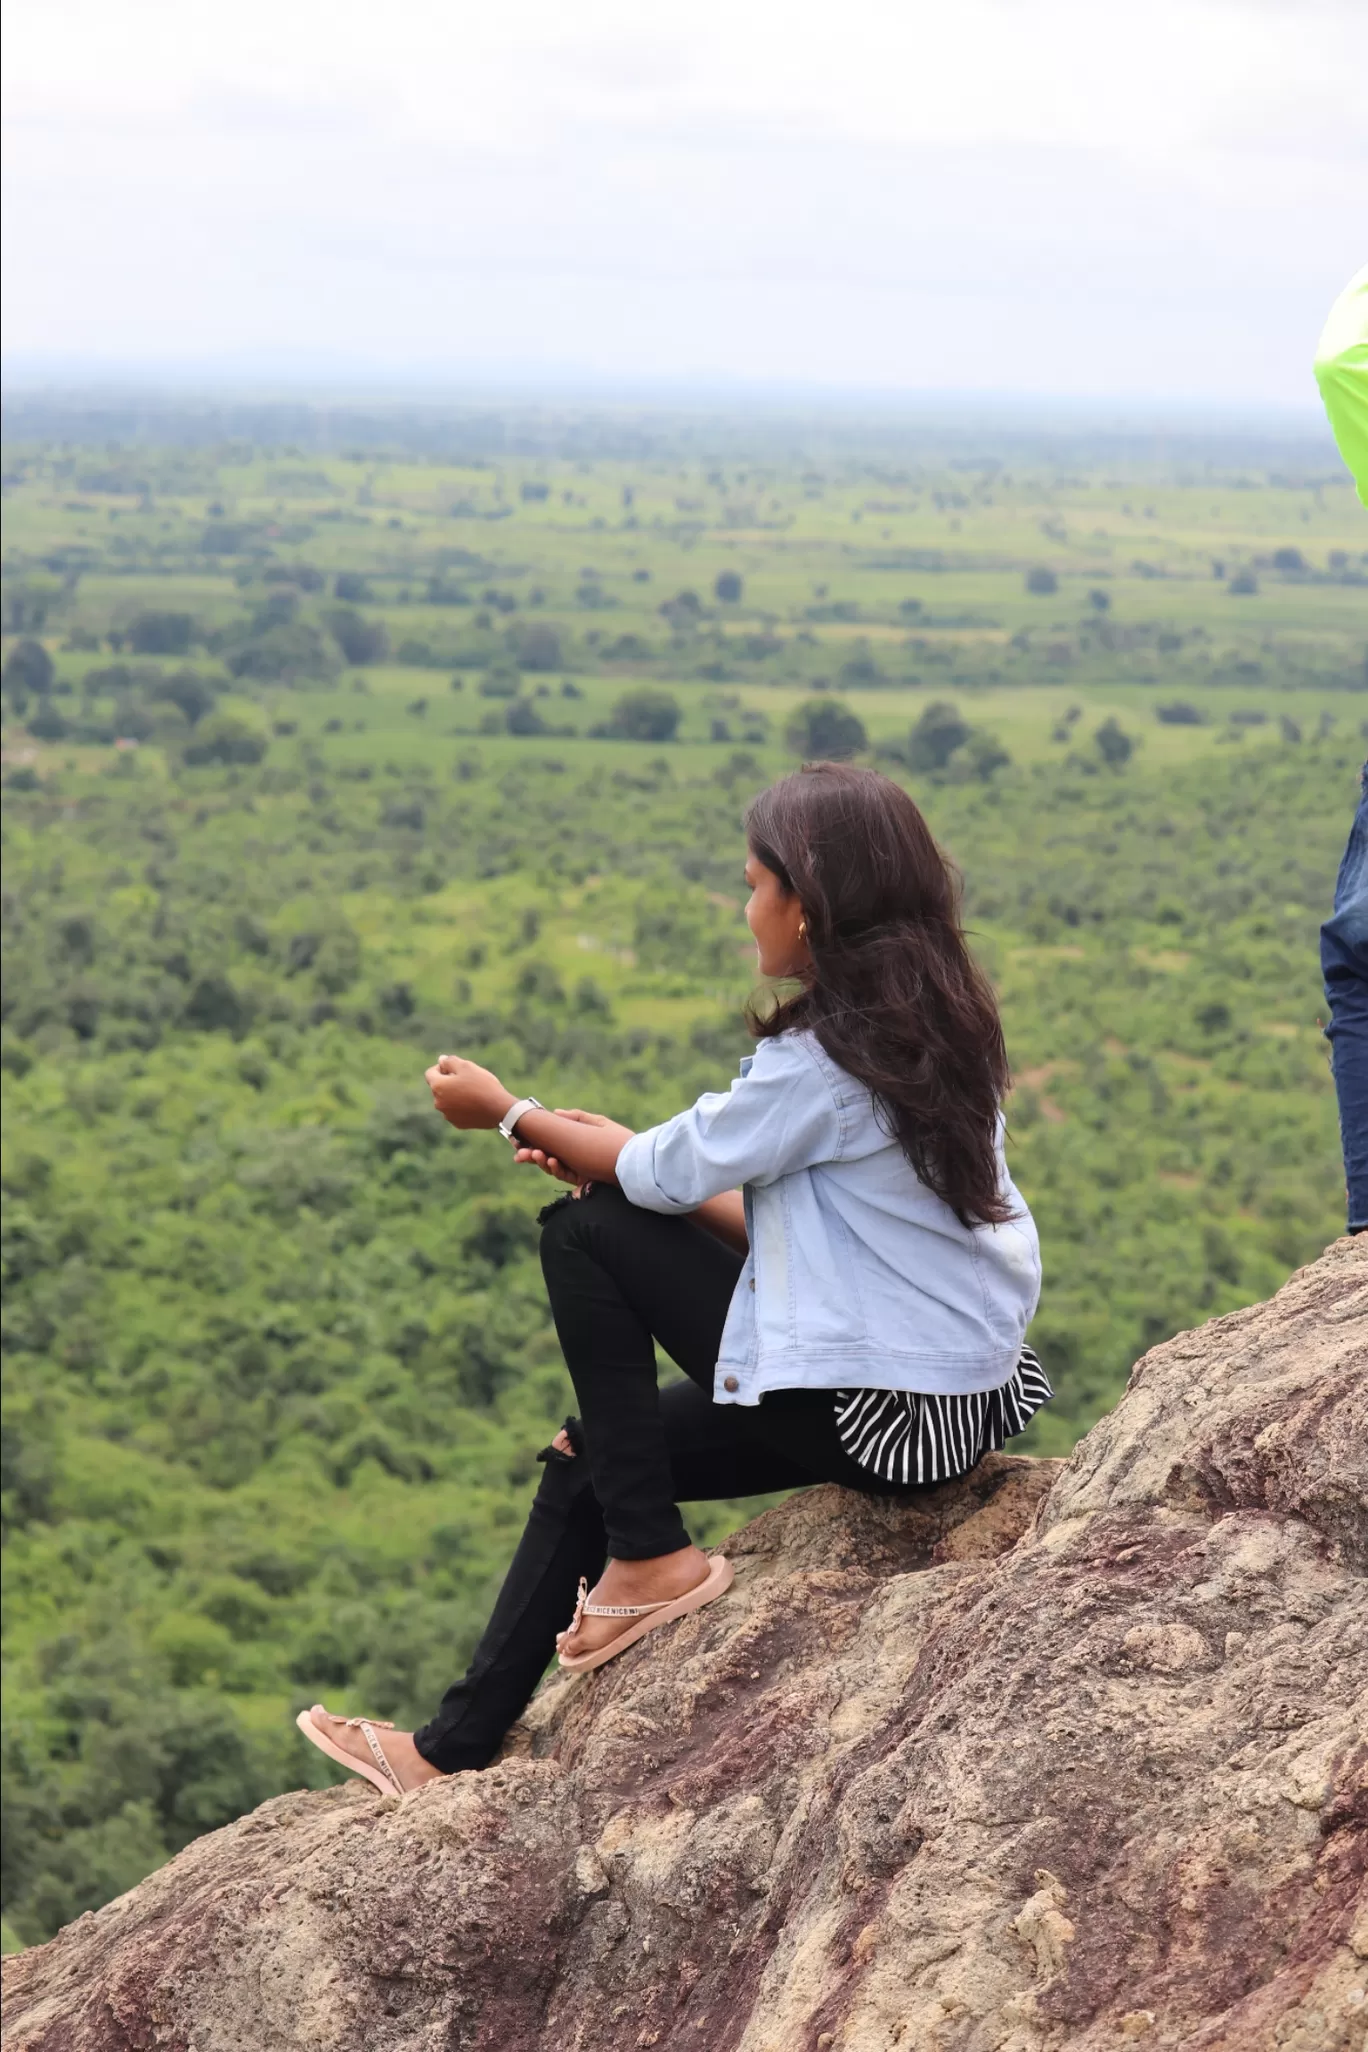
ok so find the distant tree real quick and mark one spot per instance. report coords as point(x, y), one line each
point(909, 608)
point(535, 645)
point(645, 716)
point(282, 654)
point(984, 755)
point(1244, 584)
point(26, 606)
point(279, 608)
point(154, 633)
point(824, 730)
point(47, 723)
point(627, 648)
point(1100, 601)
point(405, 811)
point(444, 591)
point(29, 669)
point(499, 681)
point(727, 587)
point(685, 609)
point(332, 952)
point(109, 677)
point(1180, 714)
point(1290, 561)
point(1289, 728)
point(361, 641)
point(530, 492)
point(938, 733)
point(215, 1005)
point(1041, 582)
point(591, 1001)
point(225, 738)
point(194, 694)
point(226, 537)
point(352, 588)
point(1113, 743)
point(500, 1230)
point(523, 718)
point(861, 669)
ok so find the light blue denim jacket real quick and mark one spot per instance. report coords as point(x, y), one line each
point(858, 1275)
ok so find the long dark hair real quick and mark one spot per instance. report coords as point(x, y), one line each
point(893, 994)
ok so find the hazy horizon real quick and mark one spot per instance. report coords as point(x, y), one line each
point(542, 418)
point(326, 380)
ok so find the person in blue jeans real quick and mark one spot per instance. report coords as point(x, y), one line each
point(1344, 965)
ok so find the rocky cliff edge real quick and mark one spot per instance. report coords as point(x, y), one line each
point(1071, 1755)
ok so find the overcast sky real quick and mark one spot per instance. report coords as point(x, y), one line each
point(1073, 197)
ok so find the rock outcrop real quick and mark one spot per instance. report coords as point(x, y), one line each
point(1068, 1756)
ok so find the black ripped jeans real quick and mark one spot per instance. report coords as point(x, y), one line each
point(619, 1279)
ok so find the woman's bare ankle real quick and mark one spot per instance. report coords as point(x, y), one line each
point(675, 1571)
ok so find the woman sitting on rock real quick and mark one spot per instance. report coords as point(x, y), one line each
point(832, 1251)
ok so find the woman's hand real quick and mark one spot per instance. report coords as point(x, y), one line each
point(470, 1098)
point(548, 1163)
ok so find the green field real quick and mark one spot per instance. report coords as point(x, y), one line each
point(277, 1359)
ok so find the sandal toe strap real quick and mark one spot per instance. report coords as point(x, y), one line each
point(366, 1727)
point(584, 1608)
point(623, 1609)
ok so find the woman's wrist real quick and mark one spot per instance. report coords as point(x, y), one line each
point(501, 1105)
point(517, 1108)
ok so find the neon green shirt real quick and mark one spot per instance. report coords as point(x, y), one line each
point(1341, 368)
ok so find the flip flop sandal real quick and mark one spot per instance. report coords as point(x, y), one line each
point(381, 1775)
point(648, 1615)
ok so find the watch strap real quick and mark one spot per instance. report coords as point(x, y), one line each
point(508, 1123)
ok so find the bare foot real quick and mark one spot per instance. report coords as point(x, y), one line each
point(398, 1747)
point(635, 1581)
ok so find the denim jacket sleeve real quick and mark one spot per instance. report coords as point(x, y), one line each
point(780, 1115)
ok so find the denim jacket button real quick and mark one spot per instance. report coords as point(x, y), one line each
point(729, 1382)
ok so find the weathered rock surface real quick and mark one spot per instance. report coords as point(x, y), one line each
point(1072, 1756)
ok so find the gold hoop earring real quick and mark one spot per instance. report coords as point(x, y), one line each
point(802, 929)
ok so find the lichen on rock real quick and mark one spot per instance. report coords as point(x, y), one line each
point(1061, 1758)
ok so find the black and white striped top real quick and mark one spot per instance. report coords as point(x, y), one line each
point(910, 1436)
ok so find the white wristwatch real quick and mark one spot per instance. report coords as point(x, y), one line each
point(515, 1111)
